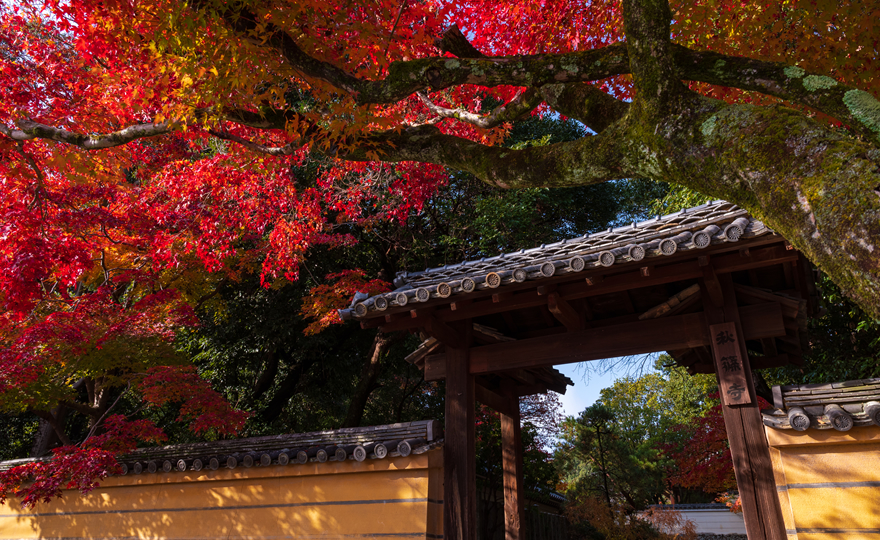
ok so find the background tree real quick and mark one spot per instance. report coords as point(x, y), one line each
point(599, 458)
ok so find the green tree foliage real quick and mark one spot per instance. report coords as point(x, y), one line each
point(600, 458)
point(844, 343)
point(19, 431)
point(253, 346)
point(615, 449)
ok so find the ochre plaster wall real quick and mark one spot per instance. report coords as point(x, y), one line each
point(394, 497)
point(828, 482)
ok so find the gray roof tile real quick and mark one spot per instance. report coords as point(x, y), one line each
point(692, 229)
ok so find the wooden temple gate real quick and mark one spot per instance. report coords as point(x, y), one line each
point(711, 285)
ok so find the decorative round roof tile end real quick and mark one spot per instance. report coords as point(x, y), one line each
point(668, 246)
point(422, 294)
point(444, 290)
point(701, 240)
point(636, 252)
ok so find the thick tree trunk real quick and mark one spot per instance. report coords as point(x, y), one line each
point(267, 376)
point(56, 421)
point(47, 437)
point(286, 389)
point(369, 375)
point(817, 187)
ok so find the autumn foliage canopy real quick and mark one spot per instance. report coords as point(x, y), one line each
point(150, 149)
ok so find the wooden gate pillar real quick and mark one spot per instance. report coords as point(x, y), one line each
point(512, 467)
point(459, 452)
point(742, 416)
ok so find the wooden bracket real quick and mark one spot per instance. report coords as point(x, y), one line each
point(544, 290)
point(444, 333)
point(372, 323)
point(420, 313)
point(493, 399)
point(564, 313)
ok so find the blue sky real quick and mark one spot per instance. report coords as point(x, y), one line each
point(591, 377)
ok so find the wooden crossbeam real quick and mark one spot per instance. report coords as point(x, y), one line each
point(670, 333)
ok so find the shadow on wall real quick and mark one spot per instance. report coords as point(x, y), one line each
point(387, 501)
point(833, 489)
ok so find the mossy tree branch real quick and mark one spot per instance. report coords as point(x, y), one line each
point(584, 102)
point(855, 108)
point(655, 77)
point(584, 161)
point(522, 104)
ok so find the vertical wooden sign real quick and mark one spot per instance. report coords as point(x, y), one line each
point(729, 364)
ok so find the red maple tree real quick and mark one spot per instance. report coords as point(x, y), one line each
point(147, 148)
point(700, 452)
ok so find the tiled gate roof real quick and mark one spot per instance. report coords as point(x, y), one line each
point(696, 228)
